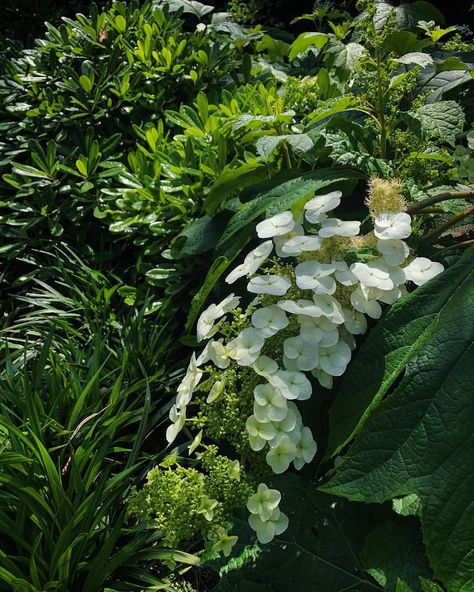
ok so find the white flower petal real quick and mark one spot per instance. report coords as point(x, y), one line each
point(269, 320)
point(392, 225)
point(301, 244)
point(393, 250)
point(276, 225)
point(336, 227)
point(316, 208)
point(269, 284)
point(421, 270)
point(252, 262)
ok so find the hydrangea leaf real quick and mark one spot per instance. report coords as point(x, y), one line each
point(384, 355)
point(443, 120)
point(318, 551)
point(420, 439)
point(394, 551)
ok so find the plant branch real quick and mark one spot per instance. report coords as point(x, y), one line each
point(439, 198)
point(467, 243)
point(451, 222)
point(286, 152)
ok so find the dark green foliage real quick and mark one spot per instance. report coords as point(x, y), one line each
point(418, 440)
point(77, 384)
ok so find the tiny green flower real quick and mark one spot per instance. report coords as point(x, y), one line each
point(234, 470)
point(224, 543)
point(206, 507)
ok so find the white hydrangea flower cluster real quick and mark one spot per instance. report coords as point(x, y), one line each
point(320, 304)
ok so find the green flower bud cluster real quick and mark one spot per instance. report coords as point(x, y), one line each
point(186, 504)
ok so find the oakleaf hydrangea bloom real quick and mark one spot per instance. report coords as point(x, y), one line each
point(264, 502)
point(205, 324)
point(421, 270)
point(276, 225)
point(312, 283)
point(392, 225)
point(269, 284)
point(267, 529)
point(251, 262)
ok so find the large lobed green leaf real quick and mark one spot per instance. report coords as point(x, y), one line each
point(318, 552)
point(420, 439)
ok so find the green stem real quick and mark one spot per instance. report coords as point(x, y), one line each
point(380, 109)
point(460, 245)
point(287, 154)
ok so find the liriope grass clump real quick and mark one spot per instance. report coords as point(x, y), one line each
point(311, 283)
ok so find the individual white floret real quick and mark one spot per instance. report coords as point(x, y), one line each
point(329, 338)
point(354, 321)
point(336, 227)
point(186, 387)
point(313, 328)
point(363, 301)
point(301, 244)
point(277, 225)
point(246, 347)
point(292, 385)
point(264, 366)
point(259, 432)
point(329, 307)
point(388, 296)
point(251, 262)
point(392, 225)
point(300, 307)
point(312, 275)
point(270, 404)
point(306, 449)
point(372, 276)
point(269, 284)
point(269, 320)
point(334, 360)
point(279, 241)
point(316, 208)
point(264, 502)
point(286, 428)
point(215, 351)
point(266, 530)
point(324, 379)
point(303, 352)
point(422, 270)
point(346, 277)
point(393, 250)
point(206, 322)
point(177, 417)
point(280, 457)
